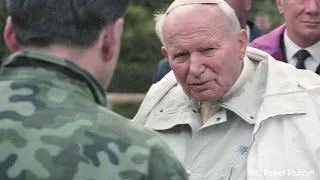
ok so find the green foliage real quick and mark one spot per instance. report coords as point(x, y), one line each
point(132, 77)
point(140, 50)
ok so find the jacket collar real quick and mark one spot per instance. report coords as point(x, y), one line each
point(282, 93)
point(271, 91)
point(66, 74)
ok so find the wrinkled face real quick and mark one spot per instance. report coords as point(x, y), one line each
point(205, 58)
point(302, 18)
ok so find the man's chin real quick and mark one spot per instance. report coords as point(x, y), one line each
point(311, 33)
point(206, 98)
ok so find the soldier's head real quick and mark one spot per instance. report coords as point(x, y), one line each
point(87, 32)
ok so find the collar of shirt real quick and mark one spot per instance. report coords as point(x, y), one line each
point(292, 48)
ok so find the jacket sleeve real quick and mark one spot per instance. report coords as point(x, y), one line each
point(163, 165)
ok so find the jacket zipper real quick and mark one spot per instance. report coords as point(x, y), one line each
point(254, 135)
point(253, 140)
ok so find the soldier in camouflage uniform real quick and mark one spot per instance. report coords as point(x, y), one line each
point(53, 120)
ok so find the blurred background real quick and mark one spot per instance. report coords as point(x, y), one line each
point(141, 52)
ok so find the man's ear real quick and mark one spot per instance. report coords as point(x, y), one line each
point(111, 39)
point(280, 6)
point(242, 42)
point(247, 5)
point(10, 36)
point(165, 52)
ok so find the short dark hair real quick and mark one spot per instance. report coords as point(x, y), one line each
point(74, 22)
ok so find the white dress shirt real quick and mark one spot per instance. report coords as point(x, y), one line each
point(311, 63)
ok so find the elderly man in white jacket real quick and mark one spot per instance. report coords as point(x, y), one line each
point(228, 111)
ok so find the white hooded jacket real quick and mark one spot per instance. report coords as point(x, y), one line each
point(279, 102)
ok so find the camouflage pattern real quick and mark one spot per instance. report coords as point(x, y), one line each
point(53, 125)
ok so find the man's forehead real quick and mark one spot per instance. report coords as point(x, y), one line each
point(178, 3)
point(193, 22)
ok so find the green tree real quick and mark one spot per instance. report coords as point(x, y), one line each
point(141, 49)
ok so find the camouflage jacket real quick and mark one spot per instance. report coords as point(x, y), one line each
point(53, 125)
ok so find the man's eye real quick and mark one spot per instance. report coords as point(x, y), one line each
point(180, 57)
point(207, 49)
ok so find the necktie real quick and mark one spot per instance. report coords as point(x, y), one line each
point(301, 56)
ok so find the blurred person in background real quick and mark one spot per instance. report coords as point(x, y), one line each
point(262, 21)
point(53, 120)
point(229, 111)
point(297, 41)
point(241, 8)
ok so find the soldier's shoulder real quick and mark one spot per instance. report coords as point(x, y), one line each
point(128, 130)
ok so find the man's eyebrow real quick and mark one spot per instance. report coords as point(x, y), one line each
point(205, 47)
point(180, 52)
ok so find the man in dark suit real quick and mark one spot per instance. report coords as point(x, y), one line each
point(241, 8)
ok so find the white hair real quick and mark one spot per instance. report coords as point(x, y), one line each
point(233, 22)
point(159, 19)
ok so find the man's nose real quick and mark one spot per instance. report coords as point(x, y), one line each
point(312, 7)
point(196, 65)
